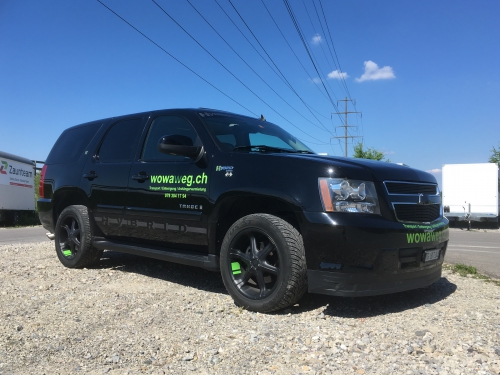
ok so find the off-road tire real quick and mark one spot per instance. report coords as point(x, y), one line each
point(73, 238)
point(265, 245)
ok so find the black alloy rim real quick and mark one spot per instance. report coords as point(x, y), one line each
point(254, 263)
point(69, 237)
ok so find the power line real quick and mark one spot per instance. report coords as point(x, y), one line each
point(194, 72)
point(297, 28)
point(321, 45)
point(270, 58)
point(334, 50)
point(268, 64)
point(322, 29)
point(340, 81)
point(248, 41)
point(336, 58)
point(230, 72)
point(173, 57)
point(291, 49)
point(257, 74)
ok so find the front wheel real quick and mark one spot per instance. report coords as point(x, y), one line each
point(73, 238)
point(263, 263)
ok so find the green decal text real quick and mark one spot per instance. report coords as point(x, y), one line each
point(425, 237)
point(188, 180)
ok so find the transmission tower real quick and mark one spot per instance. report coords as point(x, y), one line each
point(346, 125)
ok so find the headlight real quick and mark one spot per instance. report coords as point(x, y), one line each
point(338, 195)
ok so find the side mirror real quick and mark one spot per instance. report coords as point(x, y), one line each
point(178, 145)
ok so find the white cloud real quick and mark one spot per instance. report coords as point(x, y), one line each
point(337, 75)
point(316, 39)
point(316, 80)
point(434, 171)
point(374, 73)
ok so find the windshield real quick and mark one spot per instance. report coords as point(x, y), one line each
point(240, 133)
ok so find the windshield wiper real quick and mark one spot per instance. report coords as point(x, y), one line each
point(304, 151)
point(264, 148)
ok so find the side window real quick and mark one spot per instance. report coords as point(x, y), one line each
point(120, 142)
point(72, 143)
point(167, 125)
point(227, 141)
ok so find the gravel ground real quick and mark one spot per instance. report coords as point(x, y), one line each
point(141, 316)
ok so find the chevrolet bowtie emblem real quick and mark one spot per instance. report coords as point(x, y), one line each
point(423, 199)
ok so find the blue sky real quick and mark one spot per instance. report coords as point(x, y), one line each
point(425, 74)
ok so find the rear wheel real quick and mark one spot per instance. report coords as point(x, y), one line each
point(73, 238)
point(263, 263)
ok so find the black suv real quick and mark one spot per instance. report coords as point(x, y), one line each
point(237, 194)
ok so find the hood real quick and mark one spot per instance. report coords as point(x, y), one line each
point(371, 169)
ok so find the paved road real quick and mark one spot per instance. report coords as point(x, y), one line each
point(22, 235)
point(474, 248)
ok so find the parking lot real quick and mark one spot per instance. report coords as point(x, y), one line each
point(479, 248)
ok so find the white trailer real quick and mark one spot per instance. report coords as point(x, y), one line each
point(470, 192)
point(17, 186)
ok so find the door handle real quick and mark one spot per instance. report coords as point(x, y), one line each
point(141, 177)
point(90, 176)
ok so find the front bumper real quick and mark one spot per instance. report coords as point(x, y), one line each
point(359, 284)
point(362, 255)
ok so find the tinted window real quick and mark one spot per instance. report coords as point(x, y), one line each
point(72, 143)
point(167, 125)
point(120, 141)
point(226, 141)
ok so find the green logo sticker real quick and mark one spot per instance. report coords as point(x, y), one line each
point(425, 237)
point(235, 267)
point(424, 227)
point(184, 180)
point(185, 183)
point(67, 253)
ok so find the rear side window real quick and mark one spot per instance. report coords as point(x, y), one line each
point(72, 143)
point(120, 142)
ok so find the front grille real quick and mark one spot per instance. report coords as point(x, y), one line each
point(417, 212)
point(410, 188)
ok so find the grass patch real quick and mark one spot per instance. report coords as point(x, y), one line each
point(465, 270)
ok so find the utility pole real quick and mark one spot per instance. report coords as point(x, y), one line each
point(345, 126)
